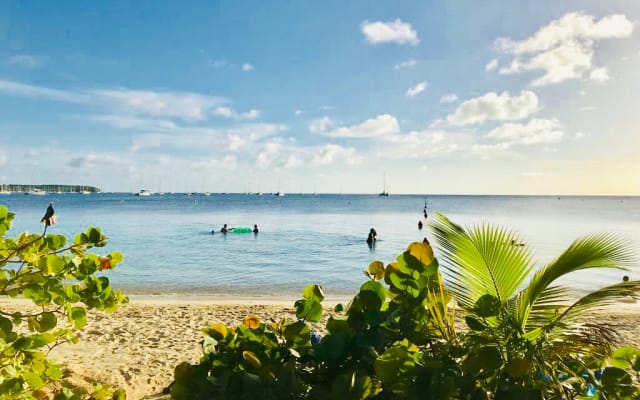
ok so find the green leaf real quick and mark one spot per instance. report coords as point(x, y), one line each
point(624, 357)
point(474, 324)
point(46, 321)
point(485, 359)
point(314, 293)
point(339, 307)
point(78, 316)
point(55, 264)
point(617, 380)
point(309, 310)
point(298, 332)
point(116, 258)
point(5, 326)
point(37, 294)
point(94, 235)
point(56, 242)
point(376, 288)
point(487, 306)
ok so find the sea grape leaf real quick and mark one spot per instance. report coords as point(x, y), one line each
point(377, 289)
point(309, 310)
point(314, 293)
point(624, 357)
point(487, 306)
point(376, 270)
point(78, 316)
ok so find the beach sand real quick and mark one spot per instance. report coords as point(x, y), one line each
point(137, 347)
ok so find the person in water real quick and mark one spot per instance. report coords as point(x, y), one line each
point(255, 228)
point(225, 229)
point(371, 239)
point(420, 225)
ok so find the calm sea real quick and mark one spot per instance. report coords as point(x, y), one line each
point(304, 239)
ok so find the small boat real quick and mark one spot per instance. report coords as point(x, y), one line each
point(36, 192)
point(144, 192)
point(278, 194)
point(85, 192)
point(384, 186)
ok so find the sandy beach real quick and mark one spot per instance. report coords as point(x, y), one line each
point(138, 346)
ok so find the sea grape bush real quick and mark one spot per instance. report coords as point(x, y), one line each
point(61, 280)
point(397, 339)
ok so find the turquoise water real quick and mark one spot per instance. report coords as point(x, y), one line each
point(304, 239)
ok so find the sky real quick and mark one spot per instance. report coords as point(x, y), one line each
point(427, 97)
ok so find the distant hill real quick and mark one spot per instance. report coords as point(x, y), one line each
point(49, 188)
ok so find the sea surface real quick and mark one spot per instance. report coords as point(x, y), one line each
point(304, 239)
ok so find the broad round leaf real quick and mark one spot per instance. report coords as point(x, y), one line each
point(474, 324)
point(376, 270)
point(421, 251)
point(487, 306)
point(217, 331)
point(251, 322)
point(313, 292)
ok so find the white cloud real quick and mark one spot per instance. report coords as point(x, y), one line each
point(417, 89)
point(24, 90)
point(486, 151)
point(129, 122)
point(533, 132)
point(491, 65)
point(495, 107)
point(571, 26)
point(298, 112)
point(564, 48)
point(247, 67)
point(183, 105)
point(228, 112)
point(406, 64)
point(385, 32)
point(599, 75)
point(334, 154)
point(448, 98)
point(320, 125)
point(92, 160)
point(228, 163)
point(28, 60)
point(3, 159)
point(375, 127)
point(251, 114)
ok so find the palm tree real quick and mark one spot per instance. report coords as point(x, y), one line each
point(536, 327)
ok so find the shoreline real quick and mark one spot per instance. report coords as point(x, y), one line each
point(138, 346)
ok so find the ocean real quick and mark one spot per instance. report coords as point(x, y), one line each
point(305, 239)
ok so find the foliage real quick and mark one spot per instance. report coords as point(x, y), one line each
point(61, 279)
point(397, 338)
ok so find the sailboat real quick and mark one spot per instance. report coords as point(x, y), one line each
point(384, 186)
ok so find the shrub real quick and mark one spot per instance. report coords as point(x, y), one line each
point(399, 340)
point(62, 281)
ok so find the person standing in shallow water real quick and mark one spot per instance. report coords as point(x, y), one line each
point(225, 229)
point(255, 229)
point(371, 239)
point(420, 225)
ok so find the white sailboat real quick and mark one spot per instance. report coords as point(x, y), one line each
point(384, 186)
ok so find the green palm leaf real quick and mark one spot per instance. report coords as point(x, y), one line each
point(481, 260)
point(594, 251)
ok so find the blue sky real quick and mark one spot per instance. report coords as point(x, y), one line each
point(462, 97)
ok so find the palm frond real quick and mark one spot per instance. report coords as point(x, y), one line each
point(549, 304)
point(481, 260)
point(594, 251)
point(575, 321)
